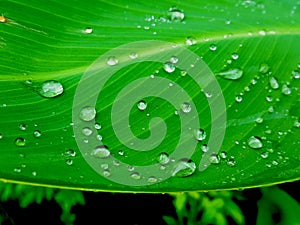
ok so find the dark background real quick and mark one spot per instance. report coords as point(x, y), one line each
point(121, 208)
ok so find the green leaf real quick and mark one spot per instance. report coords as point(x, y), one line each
point(53, 63)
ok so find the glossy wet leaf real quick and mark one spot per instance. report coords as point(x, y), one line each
point(55, 42)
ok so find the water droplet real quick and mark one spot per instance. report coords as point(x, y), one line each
point(1, 136)
point(231, 161)
point(214, 159)
point(152, 180)
point(184, 168)
point(223, 155)
point(174, 59)
point(204, 148)
point(142, 105)
point(97, 126)
point(121, 152)
point(70, 152)
point(213, 47)
point(186, 107)
point(200, 134)
point(101, 152)
point(17, 170)
point(238, 98)
point(183, 73)
point(234, 56)
point(86, 131)
point(133, 55)
point(163, 158)
point(259, 120)
point(37, 133)
point(269, 98)
point(176, 15)
point(190, 41)
point(99, 137)
point(264, 155)
point(51, 89)
point(34, 173)
point(296, 124)
point(22, 126)
point(232, 74)
point(20, 142)
point(275, 162)
point(3, 19)
point(274, 83)
point(88, 30)
point(286, 90)
point(106, 173)
point(296, 74)
point(69, 162)
point(255, 142)
point(264, 68)
point(169, 67)
point(112, 61)
point(135, 175)
point(208, 94)
point(87, 113)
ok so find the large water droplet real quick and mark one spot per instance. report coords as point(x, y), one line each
point(163, 158)
point(184, 168)
point(200, 134)
point(274, 83)
point(142, 105)
point(87, 113)
point(232, 74)
point(112, 60)
point(20, 142)
point(51, 89)
point(186, 107)
point(176, 15)
point(169, 67)
point(101, 152)
point(255, 142)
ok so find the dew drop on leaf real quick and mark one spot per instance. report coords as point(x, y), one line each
point(223, 155)
point(133, 55)
point(186, 107)
point(234, 56)
point(1, 136)
point(213, 47)
point(238, 98)
point(286, 90)
point(184, 168)
point(264, 68)
point(37, 133)
point(112, 61)
point(142, 105)
point(152, 180)
point(70, 152)
point(87, 113)
point(274, 83)
point(88, 30)
point(20, 142)
point(135, 176)
point(264, 155)
point(190, 41)
point(255, 142)
point(86, 131)
point(51, 89)
point(101, 152)
point(163, 158)
point(214, 159)
point(175, 14)
point(69, 162)
point(204, 148)
point(232, 74)
point(296, 74)
point(200, 135)
point(169, 67)
point(231, 162)
point(174, 59)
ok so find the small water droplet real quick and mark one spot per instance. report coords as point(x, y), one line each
point(264, 68)
point(51, 89)
point(238, 98)
point(97, 126)
point(184, 168)
point(112, 61)
point(296, 74)
point(234, 56)
point(87, 131)
point(200, 134)
point(264, 155)
point(269, 98)
point(214, 159)
point(275, 162)
point(87, 113)
point(106, 173)
point(186, 107)
point(169, 67)
point(37, 133)
point(213, 47)
point(259, 120)
point(22, 126)
point(20, 142)
point(231, 162)
point(183, 73)
point(121, 152)
point(1, 136)
point(223, 155)
point(296, 124)
point(286, 90)
point(34, 173)
point(133, 55)
point(135, 175)
point(176, 15)
point(152, 180)
point(163, 158)
point(232, 74)
point(88, 30)
point(190, 41)
point(142, 105)
point(101, 152)
point(69, 162)
point(274, 83)
point(17, 170)
point(255, 142)
point(70, 152)
point(204, 148)
point(174, 59)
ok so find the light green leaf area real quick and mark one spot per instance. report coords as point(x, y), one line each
point(252, 47)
